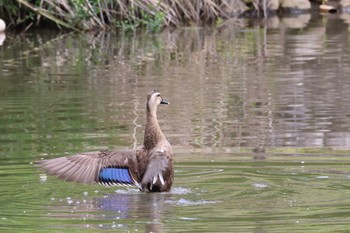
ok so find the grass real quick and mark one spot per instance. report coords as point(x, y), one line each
point(106, 14)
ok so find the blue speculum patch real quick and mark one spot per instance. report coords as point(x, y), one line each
point(115, 175)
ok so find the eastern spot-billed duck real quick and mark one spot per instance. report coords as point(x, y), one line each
point(149, 166)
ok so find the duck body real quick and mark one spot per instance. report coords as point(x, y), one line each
point(149, 166)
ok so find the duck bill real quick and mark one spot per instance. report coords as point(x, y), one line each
point(164, 102)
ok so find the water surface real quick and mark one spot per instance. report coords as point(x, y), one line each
point(259, 122)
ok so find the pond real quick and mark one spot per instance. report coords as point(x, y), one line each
point(259, 121)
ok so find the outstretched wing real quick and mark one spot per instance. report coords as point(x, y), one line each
point(104, 167)
point(158, 175)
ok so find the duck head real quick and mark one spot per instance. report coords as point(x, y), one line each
point(154, 98)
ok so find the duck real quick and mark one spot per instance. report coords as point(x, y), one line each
point(2, 25)
point(149, 167)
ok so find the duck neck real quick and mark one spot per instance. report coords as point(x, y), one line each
point(153, 134)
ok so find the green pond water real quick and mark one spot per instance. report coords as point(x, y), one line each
point(259, 121)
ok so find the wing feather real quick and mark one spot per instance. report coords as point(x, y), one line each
point(88, 167)
point(158, 164)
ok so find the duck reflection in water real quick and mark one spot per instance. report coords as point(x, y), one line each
point(148, 210)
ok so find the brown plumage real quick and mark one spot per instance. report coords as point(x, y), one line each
point(149, 166)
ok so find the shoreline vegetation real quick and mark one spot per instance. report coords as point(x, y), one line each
point(87, 15)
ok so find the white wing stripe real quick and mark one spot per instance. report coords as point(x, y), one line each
point(155, 179)
point(161, 178)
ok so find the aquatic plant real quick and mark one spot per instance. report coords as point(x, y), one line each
point(93, 14)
